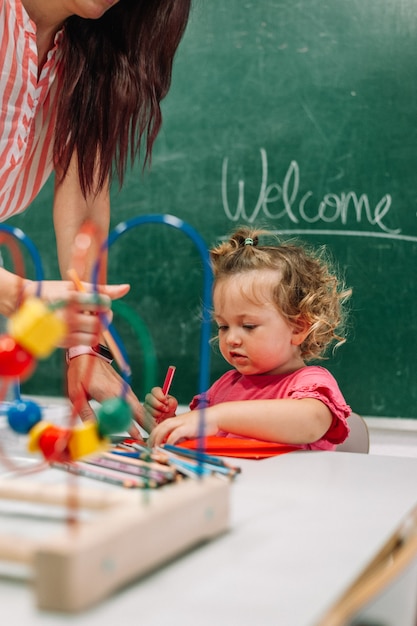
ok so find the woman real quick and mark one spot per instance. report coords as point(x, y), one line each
point(81, 86)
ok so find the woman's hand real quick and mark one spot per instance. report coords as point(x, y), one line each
point(82, 312)
point(91, 378)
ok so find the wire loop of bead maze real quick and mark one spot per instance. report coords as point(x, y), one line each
point(128, 535)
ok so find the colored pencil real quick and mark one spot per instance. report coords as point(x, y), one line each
point(114, 349)
point(98, 474)
point(196, 455)
point(168, 379)
point(197, 467)
point(137, 468)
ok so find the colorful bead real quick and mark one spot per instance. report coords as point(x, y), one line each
point(23, 415)
point(85, 439)
point(36, 328)
point(114, 416)
point(53, 443)
point(34, 435)
point(51, 440)
point(15, 361)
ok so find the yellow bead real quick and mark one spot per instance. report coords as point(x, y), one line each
point(85, 439)
point(36, 328)
point(35, 434)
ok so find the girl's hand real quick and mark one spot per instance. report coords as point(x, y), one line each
point(186, 426)
point(160, 406)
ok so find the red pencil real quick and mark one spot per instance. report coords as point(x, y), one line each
point(168, 379)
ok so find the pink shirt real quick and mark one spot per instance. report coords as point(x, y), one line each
point(308, 382)
point(27, 109)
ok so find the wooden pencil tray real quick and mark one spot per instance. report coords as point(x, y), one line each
point(131, 534)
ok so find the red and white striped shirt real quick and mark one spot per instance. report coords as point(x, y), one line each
point(27, 109)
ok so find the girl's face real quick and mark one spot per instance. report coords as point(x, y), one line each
point(253, 336)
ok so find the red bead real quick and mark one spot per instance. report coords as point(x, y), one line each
point(14, 360)
point(53, 444)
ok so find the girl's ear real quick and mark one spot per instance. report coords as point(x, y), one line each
point(300, 332)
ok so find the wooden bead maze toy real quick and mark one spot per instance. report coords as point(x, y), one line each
point(130, 531)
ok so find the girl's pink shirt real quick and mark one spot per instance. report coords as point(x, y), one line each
point(308, 382)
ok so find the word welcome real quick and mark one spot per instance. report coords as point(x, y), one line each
point(277, 201)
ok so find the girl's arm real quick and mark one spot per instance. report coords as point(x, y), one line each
point(293, 421)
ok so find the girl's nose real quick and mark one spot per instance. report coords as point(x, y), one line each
point(233, 337)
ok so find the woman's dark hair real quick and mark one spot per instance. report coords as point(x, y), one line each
point(116, 71)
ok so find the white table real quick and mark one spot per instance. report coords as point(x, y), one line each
point(303, 526)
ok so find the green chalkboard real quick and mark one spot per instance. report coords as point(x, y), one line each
point(301, 117)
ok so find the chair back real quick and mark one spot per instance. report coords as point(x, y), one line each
point(358, 439)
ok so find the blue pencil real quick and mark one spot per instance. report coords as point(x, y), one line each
point(196, 455)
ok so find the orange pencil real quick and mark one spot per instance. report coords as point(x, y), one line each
point(72, 275)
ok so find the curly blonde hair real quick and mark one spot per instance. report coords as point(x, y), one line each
point(307, 289)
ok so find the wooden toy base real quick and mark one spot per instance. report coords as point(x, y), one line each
point(133, 533)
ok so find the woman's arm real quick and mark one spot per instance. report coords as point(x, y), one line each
point(10, 291)
point(71, 211)
point(82, 326)
point(293, 421)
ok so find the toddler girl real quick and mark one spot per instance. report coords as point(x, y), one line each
point(276, 308)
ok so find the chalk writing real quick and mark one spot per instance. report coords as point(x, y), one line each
point(277, 201)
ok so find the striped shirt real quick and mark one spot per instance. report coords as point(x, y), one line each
point(27, 109)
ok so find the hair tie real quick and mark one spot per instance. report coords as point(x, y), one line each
point(248, 241)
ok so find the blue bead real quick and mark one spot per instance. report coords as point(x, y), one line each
point(22, 415)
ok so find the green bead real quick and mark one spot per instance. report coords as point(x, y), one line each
point(114, 416)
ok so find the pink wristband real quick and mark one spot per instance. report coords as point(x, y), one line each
point(98, 350)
